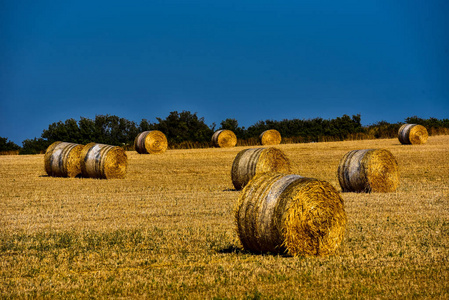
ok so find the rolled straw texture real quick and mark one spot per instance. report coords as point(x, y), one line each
point(151, 142)
point(62, 159)
point(290, 214)
point(224, 139)
point(412, 134)
point(270, 137)
point(103, 161)
point(368, 170)
point(250, 162)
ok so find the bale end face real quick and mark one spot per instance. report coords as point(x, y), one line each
point(315, 222)
point(270, 137)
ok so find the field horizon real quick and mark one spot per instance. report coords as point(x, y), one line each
point(167, 230)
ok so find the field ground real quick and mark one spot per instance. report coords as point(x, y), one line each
point(167, 230)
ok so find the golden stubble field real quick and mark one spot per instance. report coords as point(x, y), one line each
point(167, 230)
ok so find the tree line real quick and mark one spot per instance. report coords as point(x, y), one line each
point(187, 130)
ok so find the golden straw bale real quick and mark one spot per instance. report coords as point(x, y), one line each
point(290, 214)
point(103, 161)
point(250, 162)
point(153, 142)
point(224, 139)
point(412, 134)
point(270, 137)
point(368, 170)
point(62, 159)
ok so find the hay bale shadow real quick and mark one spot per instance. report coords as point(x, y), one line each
point(233, 249)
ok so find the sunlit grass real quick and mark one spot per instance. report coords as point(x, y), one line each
point(167, 230)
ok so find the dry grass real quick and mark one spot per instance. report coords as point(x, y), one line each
point(167, 231)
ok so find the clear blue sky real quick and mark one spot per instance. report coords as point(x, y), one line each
point(248, 60)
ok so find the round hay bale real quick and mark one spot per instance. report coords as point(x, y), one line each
point(103, 161)
point(412, 134)
point(224, 139)
point(368, 170)
point(151, 142)
point(250, 162)
point(290, 214)
point(62, 159)
point(270, 137)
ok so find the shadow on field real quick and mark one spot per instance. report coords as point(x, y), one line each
point(232, 249)
point(229, 190)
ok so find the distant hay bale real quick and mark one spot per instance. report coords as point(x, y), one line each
point(412, 134)
point(103, 161)
point(62, 159)
point(290, 214)
point(250, 162)
point(368, 170)
point(151, 142)
point(270, 137)
point(224, 139)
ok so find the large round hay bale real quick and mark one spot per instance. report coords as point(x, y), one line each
point(103, 161)
point(412, 134)
point(270, 137)
point(62, 159)
point(290, 214)
point(368, 170)
point(224, 139)
point(250, 162)
point(151, 142)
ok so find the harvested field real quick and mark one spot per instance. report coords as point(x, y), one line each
point(167, 230)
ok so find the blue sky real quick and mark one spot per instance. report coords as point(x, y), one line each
point(248, 60)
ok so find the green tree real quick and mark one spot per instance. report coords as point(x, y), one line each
point(64, 132)
point(145, 126)
point(6, 145)
point(34, 146)
point(233, 125)
point(184, 126)
point(88, 131)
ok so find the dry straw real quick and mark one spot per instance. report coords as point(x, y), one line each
point(368, 170)
point(103, 161)
point(153, 142)
point(270, 137)
point(412, 134)
point(224, 139)
point(290, 214)
point(62, 159)
point(250, 162)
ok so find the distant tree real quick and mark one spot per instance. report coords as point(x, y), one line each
point(88, 131)
point(145, 126)
point(6, 145)
point(233, 125)
point(428, 123)
point(34, 146)
point(113, 130)
point(184, 126)
point(64, 132)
